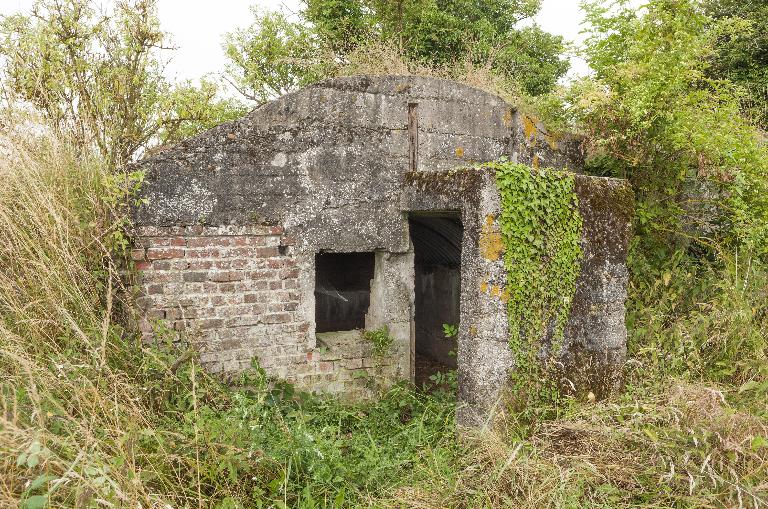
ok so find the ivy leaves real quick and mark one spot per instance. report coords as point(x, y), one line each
point(541, 228)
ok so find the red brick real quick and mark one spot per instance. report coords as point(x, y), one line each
point(239, 264)
point(265, 252)
point(145, 326)
point(276, 230)
point(137, 254)
point(225, 277)
point(277, 318)
point(218, 300)
point(326, 367)
point(226, 288)
point(154, 289)
point(203, 253)
point(164, 253)
point(195, 277)
point(179, 241)
point(156, 314)
point(211, 323)
point(143, 265)
point(200, 264)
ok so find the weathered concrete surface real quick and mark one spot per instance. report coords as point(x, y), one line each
point(236, 216)
point(594, 346)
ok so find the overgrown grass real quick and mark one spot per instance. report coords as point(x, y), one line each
point(92, 417)
point(689, 430)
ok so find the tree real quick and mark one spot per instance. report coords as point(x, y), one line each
point(742, 55)
point(97, 76)
point(655, 115)
point(276, 54)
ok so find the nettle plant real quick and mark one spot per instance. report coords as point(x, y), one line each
point(541, 228)
point(380, 339)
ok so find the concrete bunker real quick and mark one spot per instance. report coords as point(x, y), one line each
point(356, 205)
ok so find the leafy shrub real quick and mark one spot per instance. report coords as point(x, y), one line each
point(380, 339)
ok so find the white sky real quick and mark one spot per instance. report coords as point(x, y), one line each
point(197, 28)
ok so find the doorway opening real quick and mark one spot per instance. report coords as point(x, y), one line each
point(436, 241)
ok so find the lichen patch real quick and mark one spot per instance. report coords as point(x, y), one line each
point(491, 243)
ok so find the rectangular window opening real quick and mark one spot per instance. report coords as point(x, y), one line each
point(342, 290)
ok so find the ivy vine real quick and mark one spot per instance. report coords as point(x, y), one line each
point(540, 228)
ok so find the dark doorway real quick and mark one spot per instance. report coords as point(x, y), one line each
point(437, 249)
point(342, 290)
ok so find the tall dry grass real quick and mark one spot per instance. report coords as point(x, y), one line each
point(71, 411)
point(683, 447)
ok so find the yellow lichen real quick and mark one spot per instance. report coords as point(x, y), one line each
point(552, 140)
point(491, 243)
point(536, 163)
point(529, 128)
point(459, 152)
point(484, 286)
point(507, 118)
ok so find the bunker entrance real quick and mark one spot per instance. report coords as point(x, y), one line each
point(437, 253)
point(342, 290)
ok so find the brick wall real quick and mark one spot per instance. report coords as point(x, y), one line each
point(235, 292)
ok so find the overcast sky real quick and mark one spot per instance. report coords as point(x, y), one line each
point(197, 28)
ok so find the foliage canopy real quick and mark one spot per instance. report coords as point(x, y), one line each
point(96, 76)
point(742, 54)
point(277, 54)
point(655, 114)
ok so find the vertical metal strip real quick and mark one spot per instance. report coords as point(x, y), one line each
point(413, 135)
